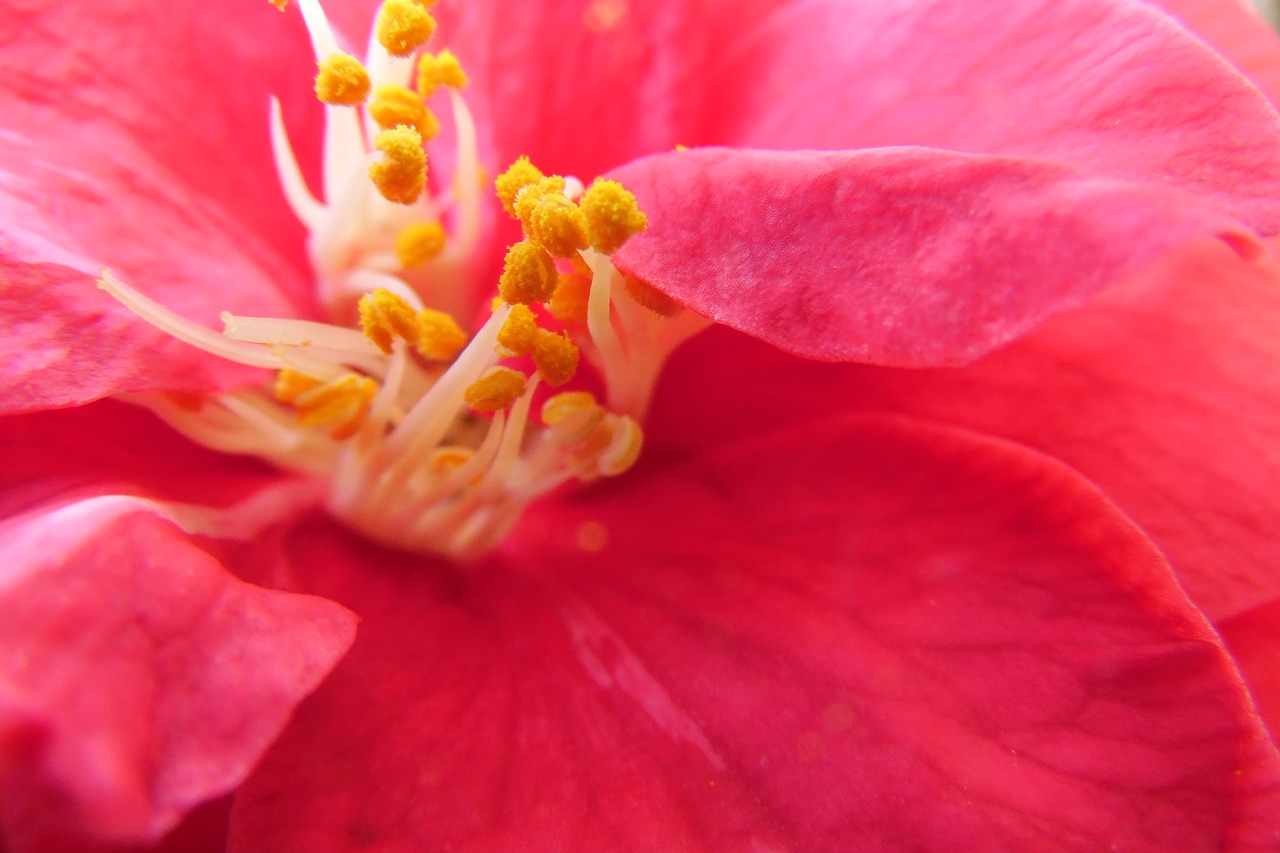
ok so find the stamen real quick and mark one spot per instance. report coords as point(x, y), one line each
point(518, 175)
point(384, 316)
point(650, 297)
point(394, 105)
point(417, 244)
point(558, 225)
point(529, 196)
point(342, 81)
point(340, 403)
point(569, 302)
point(402, 176)
point(403, 26)
point(280, 4)
point(519, 332)
point(528, 274)
point(443, 69)
point(555, 356)
point(571, 416)
point(626, 441)
point(496, 389)
point(440, 336)
point(612, 215)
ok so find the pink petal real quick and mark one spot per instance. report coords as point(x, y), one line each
point(137, 140)
point(903, 256)
point(866, 635)
point(1165, 393)
point(1235, 28)
point(1253, 638)
point(137, 677)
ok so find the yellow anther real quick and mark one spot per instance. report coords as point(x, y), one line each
point(517, 334)
point(385, 316)
point(625, 442)
point(419, 243)
point(650, 297)
point(571, 416)
point(555, 356)
point(569, 302)
point(342, 81)
point(494, 391)
point(528, 197)
point(403, 26)
point(440, 338)
point(519, 175)
point(448, 459)
point(402, 174)
point(612, 215)
point(280, 4)
point(340, 403)
point(528, 274)
point(558, 225)
point(442, 69)
point(394, 105)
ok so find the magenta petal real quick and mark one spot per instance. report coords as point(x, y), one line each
point(904, 256)
point(137, 677)
point(862, 635)
point(1237, 30)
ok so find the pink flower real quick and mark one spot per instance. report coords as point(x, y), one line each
point(996, 584)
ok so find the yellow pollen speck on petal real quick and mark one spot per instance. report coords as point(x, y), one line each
point(442, 69)
point(519, 175)
point(402, 174)
point(569, 302)
point(385, 316)
point(650, 297)
point(528, 197)
point(440, 338)
point(558, 225)
point(528, 274)
point(612, 215)
point(342, 81)
point(418, 243)
point(495, 390)
point(571, 416)
point(518, 332)
point(394, 104)
point(555, 356)
point(403, 26)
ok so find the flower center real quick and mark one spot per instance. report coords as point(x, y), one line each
point(426, 437)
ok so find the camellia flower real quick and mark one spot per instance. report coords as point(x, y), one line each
point(895, 604)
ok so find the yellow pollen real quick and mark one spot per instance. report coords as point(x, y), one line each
point(519, 175)
point(571, 416)
point(448, 459)
point(402, 175)
point(650, 297)
point(440, 338)
point(612, 215)
point(518, 331)
point(394, 104)
point(555, 356)
point(280, 4)
point(528, 197)
point(495, 390)
point(418, 243)
point(569, 302)
point(403, 26)
point(385, 316)
point(340, 403)
point(442, 69)
point(342, 81)
point(558, 225)
point(626, 439)
point(528, 274)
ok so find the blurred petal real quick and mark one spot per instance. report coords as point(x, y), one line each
point(1234, 28)
point(865, 634)
point(137, 677)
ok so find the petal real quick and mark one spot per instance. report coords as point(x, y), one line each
point(1165, 393)
point(863, 635)
point(1235, 28)
point(137, 677)
point(1253, 638)
point(136, 139)
point(904, 256)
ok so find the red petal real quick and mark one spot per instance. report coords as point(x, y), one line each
point(860, 636)
point(1234, 27)
point(1253, 638)
point(901, 256)
point(1166, 393)
point(137, 677)
point(137, 140)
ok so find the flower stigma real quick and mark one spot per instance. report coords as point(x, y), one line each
point(427, 437)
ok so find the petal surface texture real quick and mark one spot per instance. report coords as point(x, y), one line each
point(867, 634)
point(137, 677)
